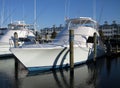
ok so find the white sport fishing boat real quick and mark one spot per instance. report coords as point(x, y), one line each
point(6, 40)
point(55, 55)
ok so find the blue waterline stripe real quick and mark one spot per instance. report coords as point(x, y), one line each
point(48, 68)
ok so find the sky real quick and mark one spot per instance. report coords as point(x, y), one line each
point(53, 12)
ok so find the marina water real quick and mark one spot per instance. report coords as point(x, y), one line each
point(105, 73)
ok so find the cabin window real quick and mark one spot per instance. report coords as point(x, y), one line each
point(90, 39)
point(24, 39)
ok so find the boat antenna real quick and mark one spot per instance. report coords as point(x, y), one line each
point(34, 15)
point(2, 14)
point(94, 9)
point(67, 6)
point(101, 13)
point(23, 11)
point(10, 16)
point(69, 24)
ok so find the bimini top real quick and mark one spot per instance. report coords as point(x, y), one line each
point(81, 20)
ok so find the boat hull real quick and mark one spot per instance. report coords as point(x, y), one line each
point(4, 50)
point(51, 58)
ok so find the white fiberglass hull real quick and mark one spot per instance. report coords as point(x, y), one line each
point(4, 49)
point(48, 58)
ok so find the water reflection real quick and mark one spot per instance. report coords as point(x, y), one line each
point(71, 78)
point(92, 68)
point(7, 73)
point(63, 78)
point(108, 65)
point(104, 73)
point(65, 84)
point(58, 79)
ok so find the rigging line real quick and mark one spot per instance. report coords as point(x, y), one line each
point(9, 17)
point(40, 13)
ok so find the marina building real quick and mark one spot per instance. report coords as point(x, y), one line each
point(50, 33)
point(110, 30)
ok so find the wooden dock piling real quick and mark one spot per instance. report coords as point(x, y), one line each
point(72, 78)
point(16, 68)
point(71, 43)
point(95, 46)
point(15, 39)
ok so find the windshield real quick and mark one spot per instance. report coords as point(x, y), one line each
point(86, 22)
point(82, 23)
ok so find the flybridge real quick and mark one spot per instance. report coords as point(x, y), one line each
point(17, 23)
point(81, 20)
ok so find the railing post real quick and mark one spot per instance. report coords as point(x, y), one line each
point(71, 43)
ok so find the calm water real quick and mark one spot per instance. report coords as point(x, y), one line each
point(104, 74)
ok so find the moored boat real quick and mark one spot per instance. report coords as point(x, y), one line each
point(56, 55)
point(6, 40)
